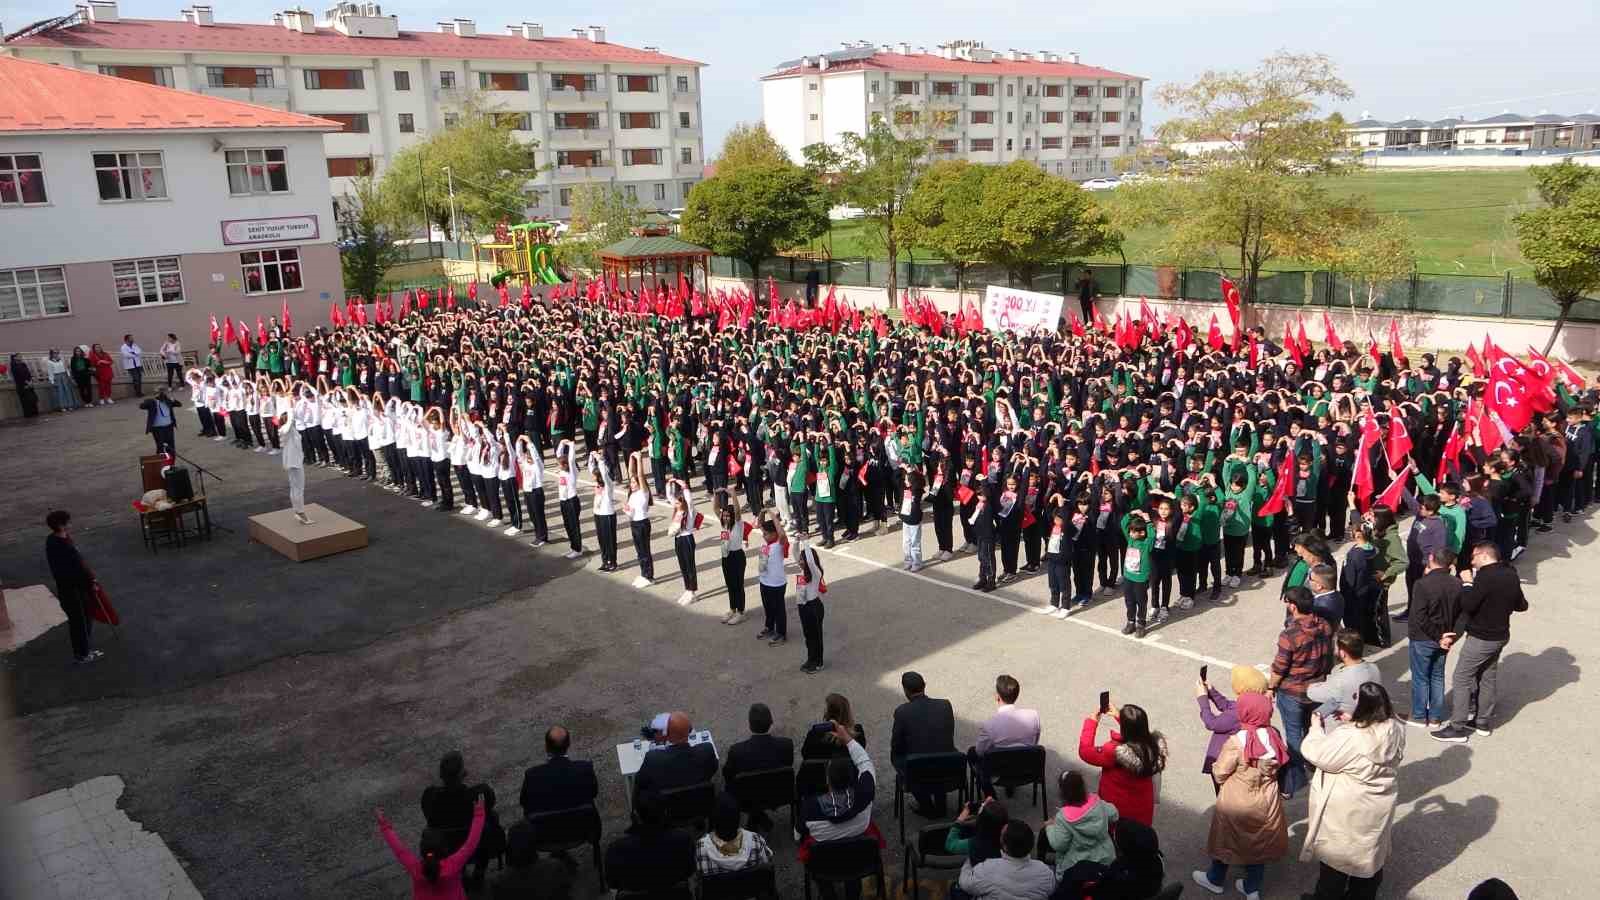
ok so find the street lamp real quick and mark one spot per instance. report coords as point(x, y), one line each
point(455, 228)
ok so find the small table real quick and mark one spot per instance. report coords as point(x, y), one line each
point(171, 525)
point(630, 756)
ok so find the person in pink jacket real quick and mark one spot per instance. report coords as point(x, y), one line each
point(433, 877)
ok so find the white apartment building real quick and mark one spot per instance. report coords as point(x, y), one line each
point(977, 104)
point(599, 111)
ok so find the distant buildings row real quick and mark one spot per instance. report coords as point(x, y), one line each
point(1507, 131)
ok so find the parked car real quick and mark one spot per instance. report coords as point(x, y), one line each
point(675, 214)
point(1101, 184)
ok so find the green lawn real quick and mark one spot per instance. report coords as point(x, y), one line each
point(1461, 220)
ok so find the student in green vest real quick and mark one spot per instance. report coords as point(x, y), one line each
point(1136, 570)
point(1238, 511)
point(1209, 518)
point(1188, 547)
point(1450, 511)
point(1264, 530)
point(826, 485)
point(798, 474)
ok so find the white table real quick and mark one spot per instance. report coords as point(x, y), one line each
point(630, 756)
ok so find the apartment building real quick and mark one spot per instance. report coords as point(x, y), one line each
point(600, 111)
point(1070, 119)
point(1545, 132)
point(130, 208)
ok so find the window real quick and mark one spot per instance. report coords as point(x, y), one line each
point(631, 192)
point(1083, 116)
point(1111, 140)
point(408, 123)
point(514, 121)
point(1011, 118)
point(21, 179)
point(1027, 143)
point(641, 120)
point(1077, 167)
point(1105, 166)
point(1082, 90)
point(577, 120)
point(33, 293)
point(907, 88)
point(256, 172)
point(948, 145)
point(402, 80)
point(982, 89)
point(1008, 145)
point(686, 155)
point(1080, 142)
point(574, 82)
point(947, 88)
point(1058, 168)
point(651, 157)
point(447, 79)
point(451, 120)
point(349, 166)
point(130, 176)
point(1027, 117)
point(238, 77)
point(1054, 118)
point(1054, 90)
point(811, 85)
point(1112, 92)
point(503, 81)
point(982, 117)
point(661, 193)
point(582, 159)
point(981, 145)
point(1109, 116)
point(683, 120)
point(637, 84)
point(945, 118)
point(564, 197)
point(354, 123)
point(906, 117)
point(157, 75)
point(1133, 91)
point(687, 187)
point(1050, 143)
point(271, 271)
point(813, 117)
point(335, 80)
point(1030, 90)
point(874, 85)
point(683, 88)
point(1011, 90)
point(146, 282)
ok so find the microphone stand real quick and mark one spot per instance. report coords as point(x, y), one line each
point(203, 473)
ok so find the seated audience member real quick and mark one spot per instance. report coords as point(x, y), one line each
point(976, 831)
point(1136, 873)
point(758, 752)
point(1492, 889)
point(447, 807)
point(678, 764)
point(525, 876)
point(1010, 726)
point(727, 847)
point(819, 742)
point(1338, 693)
point(922, 724)
point(650, 857)
point(1081, 829)
point(1014, 875)
point(560, 783)
point(844, 810)
point(436, 868)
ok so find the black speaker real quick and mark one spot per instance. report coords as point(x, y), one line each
point(178, 486)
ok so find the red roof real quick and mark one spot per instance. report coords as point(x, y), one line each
point(186, 37)
point(37, 96)
point(928, 62)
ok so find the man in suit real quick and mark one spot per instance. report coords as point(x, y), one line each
point(758, 752)
point(922, 724)
point(1010, 726)
point(561, 783)
point(1326, 601)
point(677, 764)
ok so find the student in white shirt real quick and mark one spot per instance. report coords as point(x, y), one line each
point(567, 493)
point(682, 531)
point(735, 530)
point(808, 589)
point(530, 479)
point(196, 380)
point(363, 464)
point(605, 511)
point(212, 392)
point(279, 405)
point(771, 580)
point(438, 456)
point(461, 448)
point(486, 477)
point(380, 437)
point(506, 482)
point(639, 500)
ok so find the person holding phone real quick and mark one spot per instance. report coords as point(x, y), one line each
point(1248, 827)
point(1130, 761)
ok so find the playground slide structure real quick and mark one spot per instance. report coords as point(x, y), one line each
point(543, 268)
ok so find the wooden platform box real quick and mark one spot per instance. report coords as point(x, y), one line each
point(328, 533)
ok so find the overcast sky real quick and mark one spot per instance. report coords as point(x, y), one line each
point(1427, 59)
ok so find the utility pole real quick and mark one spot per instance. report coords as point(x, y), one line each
point(455, 229)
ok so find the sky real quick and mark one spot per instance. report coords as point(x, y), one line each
point(1427, 59)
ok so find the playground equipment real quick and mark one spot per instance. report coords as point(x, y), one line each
point(523, 252)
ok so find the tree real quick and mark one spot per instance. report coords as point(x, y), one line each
point(1562, 241)
point(1372, 257)
point(755, 211)
point(944, 207)
point(748, 145)
point(1028, 219)
point(601, 216)
point(489, 166)
point(877, 172)
point(366, 245)
point(1255, 201)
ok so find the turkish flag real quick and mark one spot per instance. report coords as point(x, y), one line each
point(1391, 494)
point(1230, 296)
point(1331, 335)
point(422, 298)
point(450, 297)
point(1479, 370)
point(288, 323)
point(1361, 475)
point(527, 297)
point(1280, 492)
point(1395, 350)
point(1399, 441)
point(227, 329)
point(1492, 433)
point(1289, 344)
point(1508, 398)
point(216, 331)
point(505, 296)
point(472, 290)
point(1302, 343)
point(1255, 352)
point(261, 329)
point(244, 339)
point(880, 324)
point(1184, 336)
point(1373, 351)
point(334, 315)
point(1452, 452)
point(1077, 327)
point(1214, 334)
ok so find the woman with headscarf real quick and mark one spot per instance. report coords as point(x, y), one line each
point(23, 376)
point(1247, 825)
point(81, 370)
point(1217, 712)
point(1353, 796)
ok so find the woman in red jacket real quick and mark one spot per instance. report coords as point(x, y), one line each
point(102, 373)
point(1129, 762)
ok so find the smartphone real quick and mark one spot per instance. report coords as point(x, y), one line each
point(1105, 702)
point(1203, 673)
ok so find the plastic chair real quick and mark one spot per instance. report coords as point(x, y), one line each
point(559, 830)
point(689, 806)
point(927, 853)
point(1014, 767)
point(766, 789)
point(932, 773)
point(844, 861)
point(745, 884)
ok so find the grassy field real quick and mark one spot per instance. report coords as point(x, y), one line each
point(1461, 220)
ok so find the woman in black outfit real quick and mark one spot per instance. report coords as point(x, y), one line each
point(448, 807)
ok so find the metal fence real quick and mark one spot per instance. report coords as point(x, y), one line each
point(1457, 295)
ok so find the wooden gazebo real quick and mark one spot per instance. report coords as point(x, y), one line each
point(653, 256)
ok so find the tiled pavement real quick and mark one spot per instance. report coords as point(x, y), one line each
point(75, 843)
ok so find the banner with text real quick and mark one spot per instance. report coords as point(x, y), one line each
point(1005, 309)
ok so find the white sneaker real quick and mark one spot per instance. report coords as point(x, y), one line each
point(686, 598)
point(482, 514)
point(427, 504)
point(1517, 551)
point(220, 438)
point(1161, 615)
point(1204, 880)
point(1045, 610)
point(1062, 613)
point(738, 619)
point(966, 548)
point(1233, 581)
point(260, 450)
point(513, 531)
point(641, 582)
point(469, 510)
point(493, 523)
point(914, 567)
point(571, 554)
point(727, 618)
point(537, 544)
point(945, 556)
point(1186, 603)
point(1238, 885)
point(273, 452)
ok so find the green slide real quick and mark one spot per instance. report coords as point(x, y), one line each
point(543, 268)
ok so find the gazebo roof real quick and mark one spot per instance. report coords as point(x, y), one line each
point(652, 247)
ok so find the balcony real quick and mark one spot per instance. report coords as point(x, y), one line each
point(574, 174)
point(578, 137)
point(689, 96)
point(276, 97)
point(688, 168)
point(562, 97)
point(685, 131)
